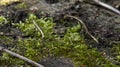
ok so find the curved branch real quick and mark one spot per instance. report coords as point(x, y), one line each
point(107, 6)
point(83, 24)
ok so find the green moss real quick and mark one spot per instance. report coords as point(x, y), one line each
point(21, 5)
point(2, 20)
point(6, 40)
point(72, 45)
point(116, 52)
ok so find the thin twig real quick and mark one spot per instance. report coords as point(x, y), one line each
point(83, 24)
point(21, 57)
point(40, 30)
point(107, 6)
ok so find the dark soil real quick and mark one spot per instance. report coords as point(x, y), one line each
point(101, 23)
point(56, 62)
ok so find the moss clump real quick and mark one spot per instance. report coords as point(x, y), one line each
point(71, 45)
point(21, 6)
point(2, 21)
point(116, 52)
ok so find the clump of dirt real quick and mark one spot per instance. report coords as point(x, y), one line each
point(56, 62)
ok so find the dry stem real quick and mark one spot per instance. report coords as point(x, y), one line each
point(21, 57)
point(40, 30)
point(107, 6)
point(83, 24)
